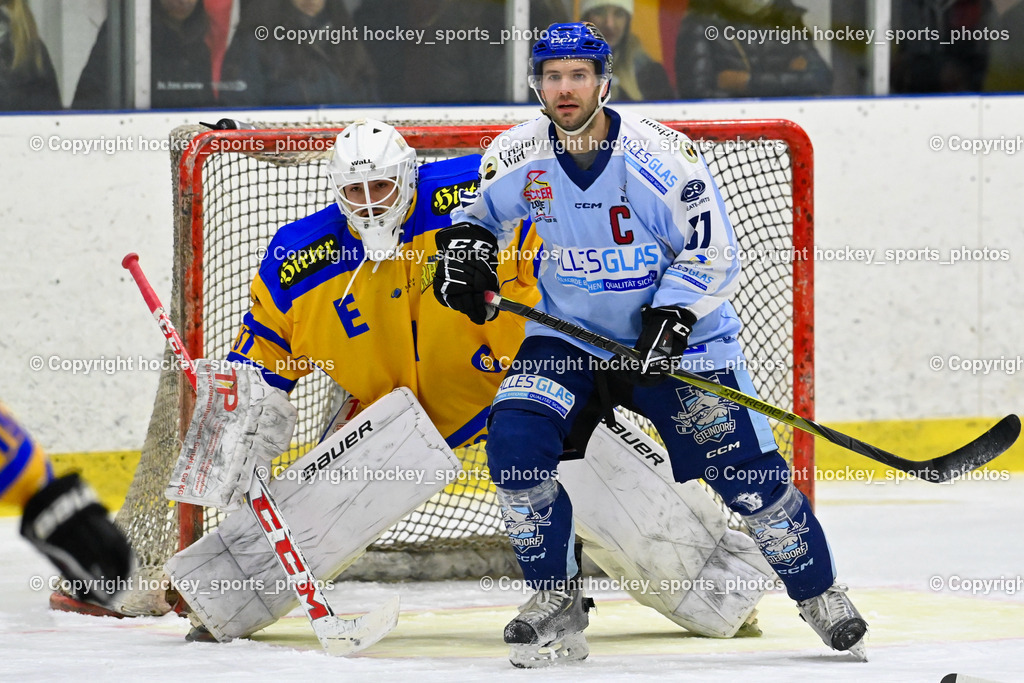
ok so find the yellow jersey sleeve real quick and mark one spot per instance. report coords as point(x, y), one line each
point(24, 467)
point(264, 340)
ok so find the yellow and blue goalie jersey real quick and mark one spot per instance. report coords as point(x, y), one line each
point(24, 468)
point(388, 330)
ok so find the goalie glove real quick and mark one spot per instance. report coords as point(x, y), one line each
point(239, 422)
point(66, 522)
point(467, 266)
point(663, 339)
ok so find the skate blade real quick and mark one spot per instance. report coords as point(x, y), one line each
point(859, 651)
point(572, 648)
point(200, 634)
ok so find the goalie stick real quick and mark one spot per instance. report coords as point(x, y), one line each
point(937, 470)
point(337, 635)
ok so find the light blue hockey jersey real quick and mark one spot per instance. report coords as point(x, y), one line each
point(645, 224)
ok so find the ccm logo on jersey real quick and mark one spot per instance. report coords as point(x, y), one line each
point(310, 470)
point(723, 450)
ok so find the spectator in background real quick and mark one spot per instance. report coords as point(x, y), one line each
point(1006, 56)
point(27, 79)
point(728, 68)
point(940, 64)
point(468, 68)
point(267, 70)
point(543, 13)
point(180, 71)
point(635, 76)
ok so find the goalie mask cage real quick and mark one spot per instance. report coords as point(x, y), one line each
point(234, 189)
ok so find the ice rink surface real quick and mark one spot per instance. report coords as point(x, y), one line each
point(894, 544)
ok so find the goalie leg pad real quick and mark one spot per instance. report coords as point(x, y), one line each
point(337, 499)
point(669, 543)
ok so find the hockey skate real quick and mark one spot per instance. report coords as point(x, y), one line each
point(198, 633)
point(549, 629)
point(836, 620)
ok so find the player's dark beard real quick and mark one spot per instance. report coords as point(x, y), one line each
point(586, 109)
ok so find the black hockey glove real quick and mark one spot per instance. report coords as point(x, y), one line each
point(663, 338)
point(467, 266)
point(67, 524)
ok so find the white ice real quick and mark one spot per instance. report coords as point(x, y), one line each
point(884, 537)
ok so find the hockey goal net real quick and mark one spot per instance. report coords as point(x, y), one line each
point(233, 189)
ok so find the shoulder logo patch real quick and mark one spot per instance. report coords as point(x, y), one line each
point(490, 167)
point(690, 152)
point(310, 259)
point(693, 189)
point(445, 199)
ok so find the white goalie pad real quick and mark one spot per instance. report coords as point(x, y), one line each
point(670, 542)
point(337, 499)
point(239, 422)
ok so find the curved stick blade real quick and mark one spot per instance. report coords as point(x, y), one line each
point(342, 637)
point(982, 450)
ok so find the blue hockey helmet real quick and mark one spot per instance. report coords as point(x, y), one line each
point(578, 40)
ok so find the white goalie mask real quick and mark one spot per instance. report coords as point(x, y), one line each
point(373, 176)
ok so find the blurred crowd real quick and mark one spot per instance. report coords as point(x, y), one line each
point(248, 53)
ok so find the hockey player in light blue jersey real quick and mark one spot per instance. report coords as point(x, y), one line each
point(636, 246)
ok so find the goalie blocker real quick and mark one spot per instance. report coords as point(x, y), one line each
point(685, 553)
point(239, 422)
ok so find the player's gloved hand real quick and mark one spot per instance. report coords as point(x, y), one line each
point(467, 266)
point(663, 338)
point(66, 522)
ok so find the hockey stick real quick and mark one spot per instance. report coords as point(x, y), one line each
point(337, 635)
point(937, 470)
